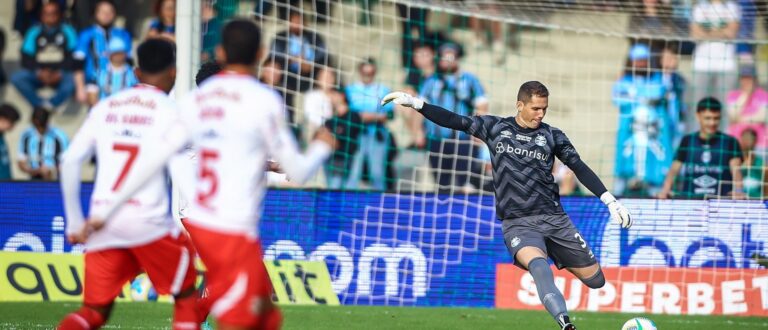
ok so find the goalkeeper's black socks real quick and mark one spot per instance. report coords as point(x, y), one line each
point(549, 295)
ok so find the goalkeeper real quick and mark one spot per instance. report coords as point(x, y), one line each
point(527, 199)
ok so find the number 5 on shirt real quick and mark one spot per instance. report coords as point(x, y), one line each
point(207, 173)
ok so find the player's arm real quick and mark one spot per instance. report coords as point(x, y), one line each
point(674, 170)
point(738, 180)
point(566, 152)
point(81, 149)
point(433, 113)
point(282, 146)
point(680, 156)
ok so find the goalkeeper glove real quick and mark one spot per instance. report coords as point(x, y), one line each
point(619, 213)
point(403, 99)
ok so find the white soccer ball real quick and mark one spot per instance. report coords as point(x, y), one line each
point(639, 323)
point(142, 289)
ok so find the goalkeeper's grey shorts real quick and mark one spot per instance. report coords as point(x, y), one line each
point(554, 234)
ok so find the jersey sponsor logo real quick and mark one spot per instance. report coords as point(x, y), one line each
point(705, 181)
point(521, 137)
point(510, 149)
point(540, 140)
point(132, 101)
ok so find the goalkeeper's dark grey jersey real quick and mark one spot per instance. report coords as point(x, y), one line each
point(522, 164)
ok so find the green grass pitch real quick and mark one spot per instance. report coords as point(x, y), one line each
point(157, 316)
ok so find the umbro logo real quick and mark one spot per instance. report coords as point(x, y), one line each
point(506, 134)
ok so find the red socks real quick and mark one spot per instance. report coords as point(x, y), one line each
point(84, 319)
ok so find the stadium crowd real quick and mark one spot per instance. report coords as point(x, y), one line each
point(76, 51)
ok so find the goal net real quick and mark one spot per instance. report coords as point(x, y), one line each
point(624, 80)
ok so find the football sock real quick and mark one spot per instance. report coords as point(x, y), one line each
point(549, 295)
point(83, 319)
point(272, 319)
point(186, 315)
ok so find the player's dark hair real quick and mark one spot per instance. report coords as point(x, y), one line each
point(40, 117)
point(99, 2)
point(9, 112)
point(531, 88)
point(207, 70)
point(156, 55)
point(241, 40)
point(709, 104)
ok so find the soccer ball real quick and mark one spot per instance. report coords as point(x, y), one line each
point(142, 289)
point(639, 323)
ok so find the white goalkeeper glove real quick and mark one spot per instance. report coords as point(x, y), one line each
point(619, 213)
point(403, 99)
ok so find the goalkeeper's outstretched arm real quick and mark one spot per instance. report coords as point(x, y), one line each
point(435, 114)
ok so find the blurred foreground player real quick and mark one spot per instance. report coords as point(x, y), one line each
point(235, 123)
point(124, 131)
point(534, 223)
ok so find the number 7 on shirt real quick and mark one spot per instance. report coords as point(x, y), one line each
point(133, 151)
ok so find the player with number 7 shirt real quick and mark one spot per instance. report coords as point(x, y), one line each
point(122, 130)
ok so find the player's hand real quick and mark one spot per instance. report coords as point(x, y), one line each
point(403, 99)
point(662, 195)
point(94, 224)
point(619, 213)
point(77, 237)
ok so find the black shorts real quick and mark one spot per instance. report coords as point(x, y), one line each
point(554, 234)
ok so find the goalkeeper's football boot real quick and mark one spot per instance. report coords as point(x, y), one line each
point(565, 323)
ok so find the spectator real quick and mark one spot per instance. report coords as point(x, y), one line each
point(40, 147)
point(710, 161)
point(211, 29)
point(346, 127)
point(423, 67)
point(116, 77)
point(46, 57)
point(481, 27)
point(164, 24)
point(754, 170)
point(451, 151)
point(322, 9)
point(714, 61)
point(749, 12)
point(674, 86)
point(318, 103)
point(8, 118)
point(298, 51)
point(413, 20)
point(3, 77)
point(130, 12)
point(653, 21)
point(363, 97)
point(91, 56)
point(748, 107)
point(644, 143)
